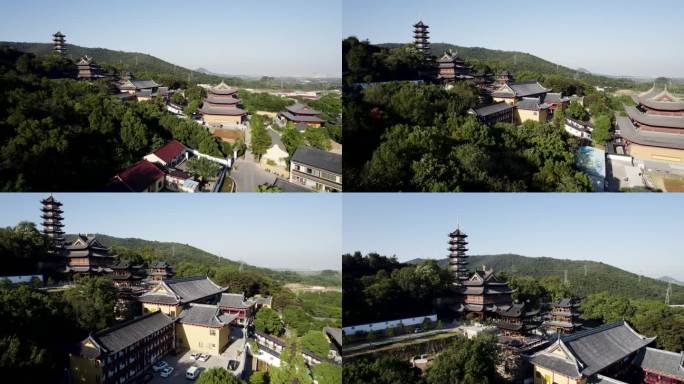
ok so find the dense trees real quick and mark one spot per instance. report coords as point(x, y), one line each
point(316, 342)
point(327, 373)
point(262, 101)
point(268, 321)
point(292, 368)
point(92, 300)
point(380, 371)
point(77, 125)
point(602, 126)
point(203, 168)
point(377, 288)
point(217, 375)
point(260, 140)
point(413, 137)
point(466, 361)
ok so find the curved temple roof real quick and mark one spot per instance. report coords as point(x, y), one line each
point(655, 120)
point(660, 100)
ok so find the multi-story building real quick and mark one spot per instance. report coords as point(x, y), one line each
point(120, 354)
point(494, 113)
point(301, 114)
point(160, 270)
point(173, 295)
point(316, 169)
point(204, 328)
point(87, 256)
point(222, 107)
point(564, 317)
point(235, 303)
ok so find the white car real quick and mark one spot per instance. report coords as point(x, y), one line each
point(159, 365)
point(166, 372)
point(204, 357)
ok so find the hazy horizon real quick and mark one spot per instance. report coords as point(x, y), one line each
point(299, 38)
point(604, 37)
point(639, 233)
point(256, 228)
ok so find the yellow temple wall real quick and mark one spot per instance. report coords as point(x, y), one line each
point(505, 100)
point(644, 152)
point(199, 339)
point(524, 115)
point(220, 119)
point(84, 371)
point(547, 376)
point(171, 310)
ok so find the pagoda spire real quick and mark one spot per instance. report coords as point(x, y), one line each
point(458, 260)
point(52, 225)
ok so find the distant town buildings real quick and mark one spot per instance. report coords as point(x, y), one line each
point(316, 169)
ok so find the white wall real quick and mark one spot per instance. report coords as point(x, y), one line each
point(387, 324)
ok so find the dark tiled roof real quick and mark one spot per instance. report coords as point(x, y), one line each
point(655, 120)
point(531, 104)
point(318, 158)
point(555, 98)
point(193, 288)
point(599, 379)
point(301, 118)
point(334, 333)
point(522, 89)
point(601, 347)
point(234, 300)
point(216, 99)
point(126, 334)
point(664, 363)
point(205, 315)
point(137, 177)
point(170, 151)
point(556, 364)
point(492, 109)
point(231, 111)
point(222, 89)
point(158, 299)
point(655, 139)
point(144, 84)
point(302, 109)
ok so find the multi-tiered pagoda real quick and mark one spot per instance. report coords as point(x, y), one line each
point(458, 260)
point(59, 43)
point(87, 69)
point(564, 316)
point(87, 256)
point(160, 270)
point(421, 36)
point(518, 320)
point(126, 274)
point(221, 107)
point(52, 225)
point(503, 78)
point(452, 68)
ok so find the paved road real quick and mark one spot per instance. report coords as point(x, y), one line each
point(248, 175)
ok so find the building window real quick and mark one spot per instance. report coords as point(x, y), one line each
point(212, 332)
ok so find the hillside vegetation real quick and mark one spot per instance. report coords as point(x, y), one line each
point(599, 277)
point(147, 66)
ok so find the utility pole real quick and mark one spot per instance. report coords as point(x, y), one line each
point(173, 250)
point(565, 276)
point(585, 270)
point(667, 293)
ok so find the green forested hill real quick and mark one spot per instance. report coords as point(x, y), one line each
point(599, 276)
point(518, 62)
point(147, 66)
point(186, 258)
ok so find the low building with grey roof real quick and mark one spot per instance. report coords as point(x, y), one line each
point(204, 328)
point(316, 169)
point(500, 112)
point(171, 296)
point(124, 352)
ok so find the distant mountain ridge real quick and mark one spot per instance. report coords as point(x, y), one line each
point(176, 253)
point(584, 277)
point(672, 280)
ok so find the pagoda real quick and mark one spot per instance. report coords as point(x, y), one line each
point(458, 260)
point(87, 69)
point(452, 68)
point(221, 106)
point(126, 274)
point(503, 78)
point(59, 43)
point(517, 320)
point(421, 37)
point(160, 270)
point(52, 225)
point(563, 318)
point(87, 256)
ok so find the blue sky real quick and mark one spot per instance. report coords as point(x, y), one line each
point(641, 233)
point(608, 36)
point(264, 37)
point(295, 231)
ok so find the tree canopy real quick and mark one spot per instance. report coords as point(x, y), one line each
point(268, 321)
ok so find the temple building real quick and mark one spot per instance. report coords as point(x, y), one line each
point(126, 274)
point(421, 37)
point(518, 320)
point(532, 109)
point(661, 367)
point(87, 256)
point(494, 113)
point(143, 90)
point(235, 304)
point(301, 114)
point(511, 93)
point(204, 328)
point(52, 225)
point(482, 293)
point(122, 353)
point(576, 358)
point(160, 270)
point(221, 107)
point(173, 295)
point(59, 42)
point(451, 68)
point(563, 317)
point(503, 78)
point(87, 69)
point(654, 128)
point(316, 169)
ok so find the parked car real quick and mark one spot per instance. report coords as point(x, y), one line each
point(233, 364)
point(192, 373)
point(166, 372)
point(204, 357)
point(159, 365)
point(195, 356)
point(418, 330)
